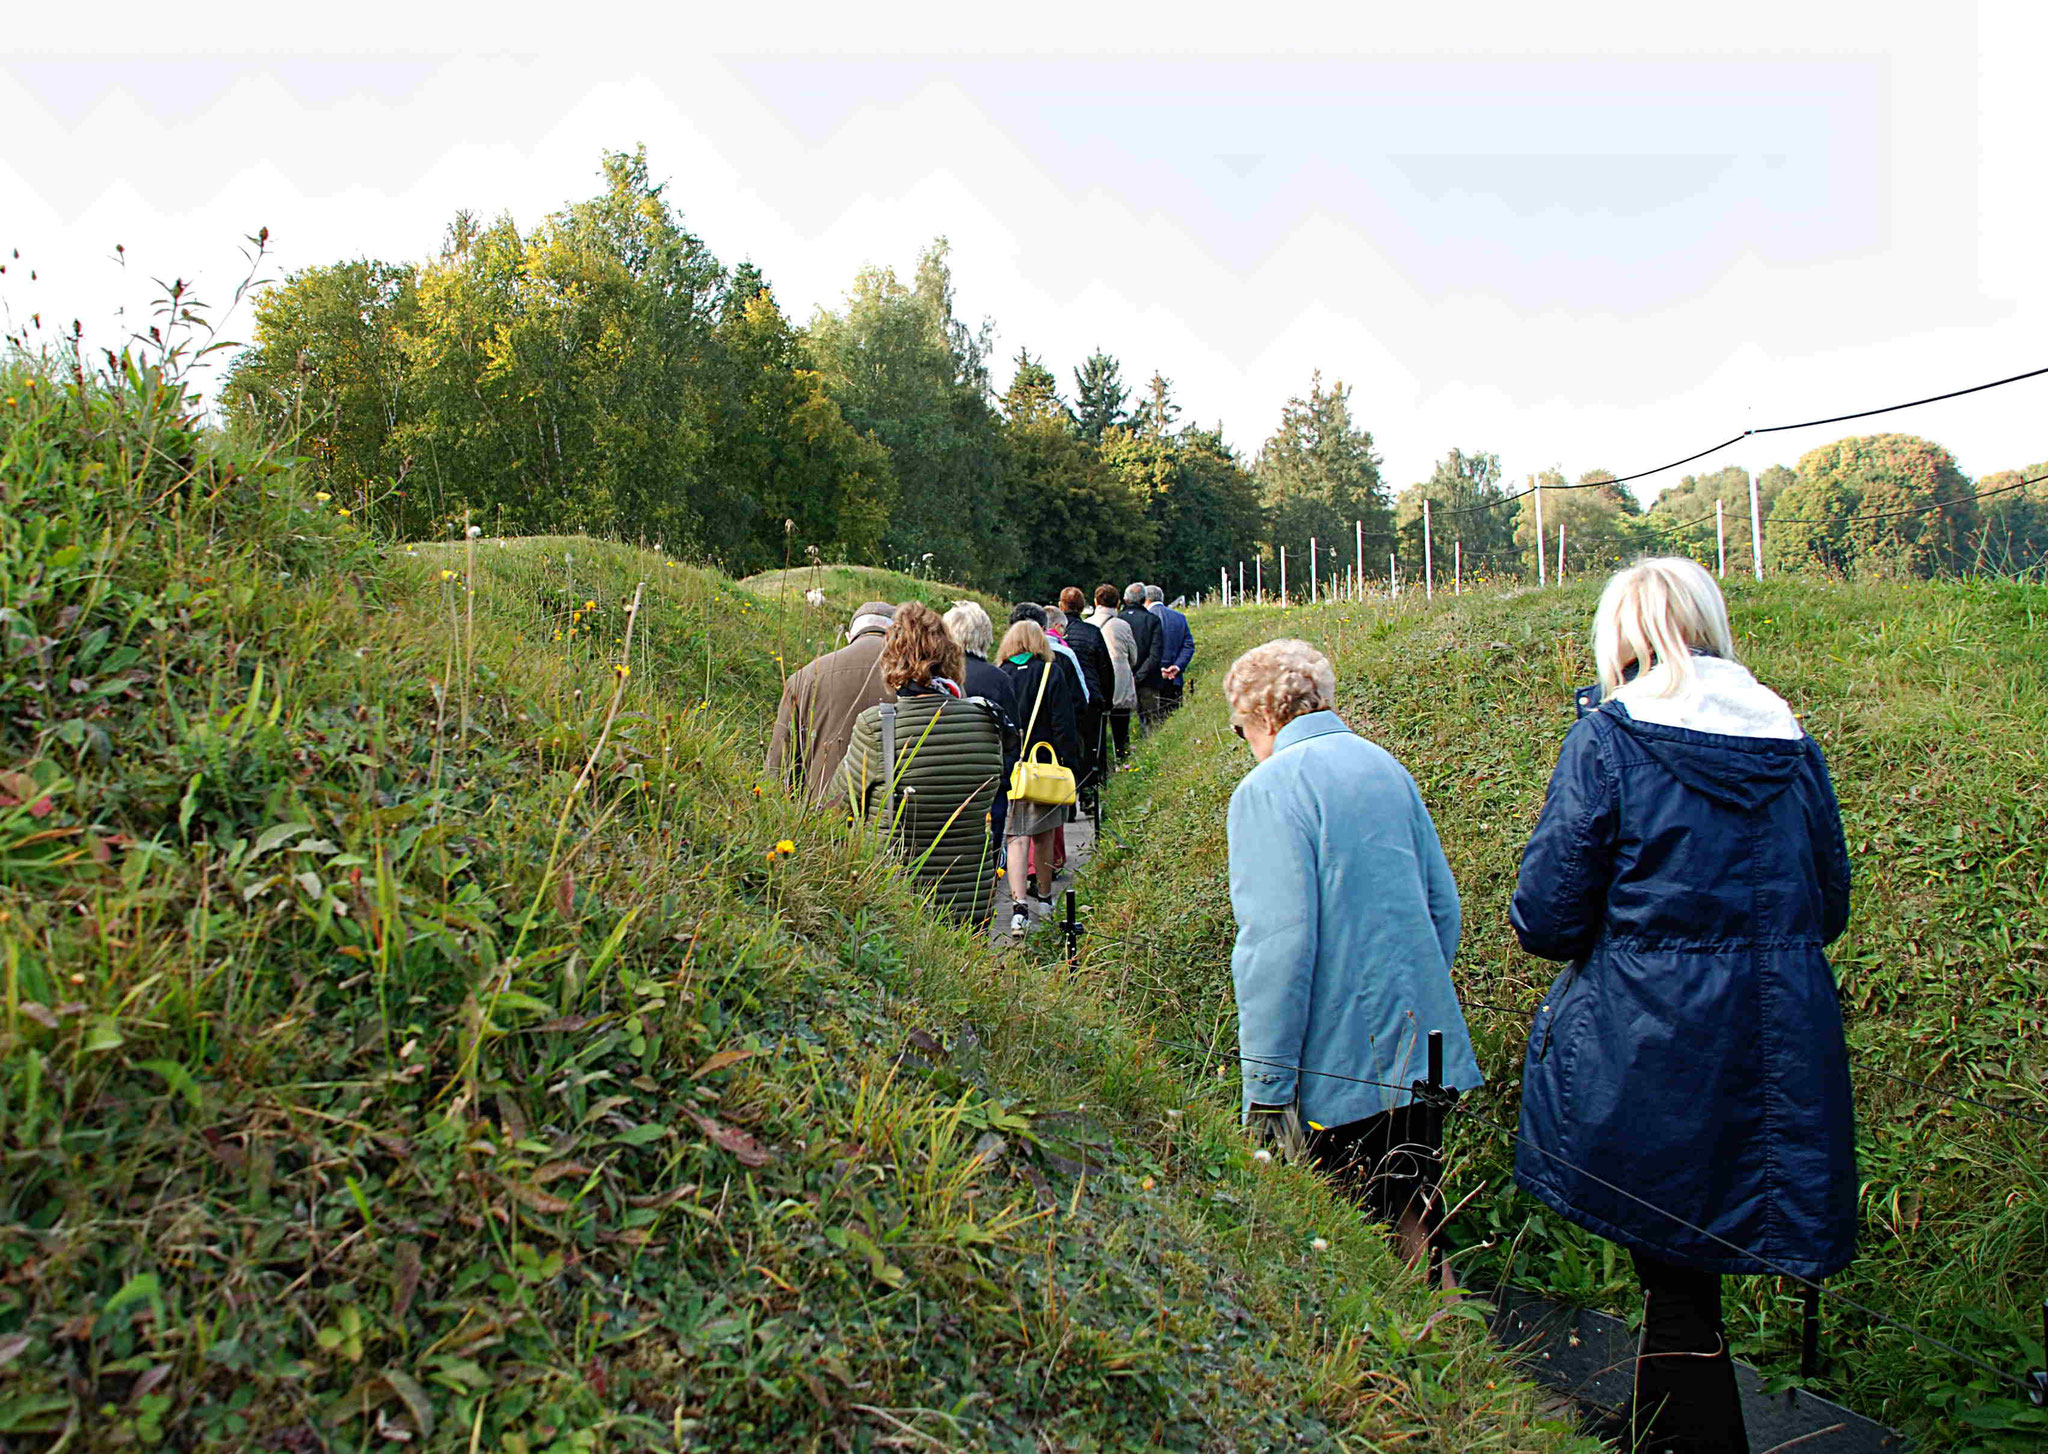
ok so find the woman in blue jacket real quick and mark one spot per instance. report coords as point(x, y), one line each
point(1686, 1087)
point(1347, 922)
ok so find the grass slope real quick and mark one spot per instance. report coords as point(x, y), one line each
point(1931, 702)
point(847, 586)
point(414, 1032)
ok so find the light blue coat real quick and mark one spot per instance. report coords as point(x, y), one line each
point(1347, 923)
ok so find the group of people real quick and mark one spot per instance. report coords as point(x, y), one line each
point(919, 720)
point(1685, 1091)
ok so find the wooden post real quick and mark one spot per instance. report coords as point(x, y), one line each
point(1358, 553)
point(1541, 578)
point(1311, 570)
point(1259, 578)
point(1756, 530)
point(1428, 557)
point(1240, 583)
point(1393, 577)
point(1283, 575)
point(1458, 567)
point(1560, 552)
point(1721, 539)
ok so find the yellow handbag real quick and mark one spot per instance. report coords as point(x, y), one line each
point(1034, 780)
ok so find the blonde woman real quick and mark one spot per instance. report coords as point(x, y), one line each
point(1046, 699)
point(1347, 923)
point(1686, 1087)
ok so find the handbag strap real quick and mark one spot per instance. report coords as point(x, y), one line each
point(1044, 673)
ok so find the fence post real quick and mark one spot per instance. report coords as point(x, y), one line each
point(1071, 927)
point(1542, 576)
point(1720, 538)
point(1809, 1332)
point(1283, 575)
point(2037, 1380)
point(1240, 583)
point(1756, 529)
point(1428, 556)
point(1458, 567)
point(1560, 552)
point(1433, 1215)
point(1393, 577)
point(1311, 570)
point(1259, 579)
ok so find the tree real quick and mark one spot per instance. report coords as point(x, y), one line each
point(327, 367)
point(1684, 512)
point(786, 453)
point(1099, 397)
point(1156, 412)
point(905, 370)
point(1082, 521)
point(1600, 520)
point(2013, 539)
point(1034, 392)
point(1468, 515)
point(1318, 476)
point(1876, 505)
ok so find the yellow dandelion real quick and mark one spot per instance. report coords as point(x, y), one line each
point(342, 512)
point(622, 669)
point(590, 605)
point(785, 846)
point(321, 495)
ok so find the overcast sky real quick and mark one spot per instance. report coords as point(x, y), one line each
point(1607, 240)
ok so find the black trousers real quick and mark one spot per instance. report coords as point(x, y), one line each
point(1686, 1401)
point(1120, 730)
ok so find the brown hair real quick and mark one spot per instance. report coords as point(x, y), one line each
point(1025, 636)
point(1107, 596)
point(1072, 601)
point(919, 648)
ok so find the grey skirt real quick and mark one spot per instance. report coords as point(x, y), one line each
point(1028, 819)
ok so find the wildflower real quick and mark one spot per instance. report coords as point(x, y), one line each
point(558, 636)
point(785, 846)
point(321, 495)
point(622, 669)
point(447, 575)
point(1319, 1244)
point(757, 790)
point(475, 531)
point(1262, 1154)
point(590, 605)
point(342, 512)
point(1146, 1185)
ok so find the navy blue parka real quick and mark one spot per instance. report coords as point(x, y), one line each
point(1691, 1057)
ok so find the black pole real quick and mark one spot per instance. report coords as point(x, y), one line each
point(1432, 1216)
point(2037, 1381)
point(1809, 1331)
point(1072, 927)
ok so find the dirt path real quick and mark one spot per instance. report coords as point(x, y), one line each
point(1080, 848)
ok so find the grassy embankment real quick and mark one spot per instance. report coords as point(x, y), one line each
point(1932, 704)
point(412, 1028)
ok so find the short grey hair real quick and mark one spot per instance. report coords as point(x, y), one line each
point(1055, 619)
point(1279, 681)
point(1153, 593)
point(1134, 594)
point(969, 625)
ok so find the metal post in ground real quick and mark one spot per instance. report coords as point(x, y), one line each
point(1428, 556)
point(1809, 1332)
point(1283, 575)
point(1432, 1217)
point(1721, 539)
point(2037, 1380)
point(1542, 574)
point(1071, 927)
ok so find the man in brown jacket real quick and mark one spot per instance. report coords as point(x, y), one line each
point(820, 701)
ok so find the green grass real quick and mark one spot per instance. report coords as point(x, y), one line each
point(1932, 704)
point(848, 586)
point(411, 1028)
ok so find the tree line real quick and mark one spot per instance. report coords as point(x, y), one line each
point(604, 372)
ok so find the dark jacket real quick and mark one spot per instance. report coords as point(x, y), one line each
point(1692, 1055)
point(992, 685)
point(1176, 639)
point(1088, 645)
point(1145, 630)
point(1056, 721)
point(949, 768)
point(819, 704)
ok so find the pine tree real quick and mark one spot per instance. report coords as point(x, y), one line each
point(1099, 396)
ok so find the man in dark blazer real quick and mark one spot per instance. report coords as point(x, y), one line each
point(1176, 648)
point(1149, 636)
point(1087, 644)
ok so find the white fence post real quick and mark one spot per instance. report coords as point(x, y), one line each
point(1541, 578)
point(1721, 538)
point(1283, 575)
point(1428, 556)
point(1756, 529)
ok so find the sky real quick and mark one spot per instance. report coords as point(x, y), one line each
point(1601, 238)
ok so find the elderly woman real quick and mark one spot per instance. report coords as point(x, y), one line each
point(1686, 1088)
point(1046, 700)
point(930, 763)
point(1347, 922)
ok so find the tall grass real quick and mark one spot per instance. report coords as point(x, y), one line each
point(1931, 702)
point(413, 1034)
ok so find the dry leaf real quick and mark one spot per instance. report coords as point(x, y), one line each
point(749, 1151)
point(719, 1062)
point(556, 1170)
point(665, 1199)
point(534, 1198)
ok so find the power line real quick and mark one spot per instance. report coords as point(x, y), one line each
point(1893, 408)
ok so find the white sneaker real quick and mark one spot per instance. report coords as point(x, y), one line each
point(1019, 919)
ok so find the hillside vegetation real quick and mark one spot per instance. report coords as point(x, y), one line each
point(1931, 702)
point(422, 1027)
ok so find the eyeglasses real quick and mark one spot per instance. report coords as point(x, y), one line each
point(1238, 728)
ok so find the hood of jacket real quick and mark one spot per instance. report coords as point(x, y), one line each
point(1725, 735)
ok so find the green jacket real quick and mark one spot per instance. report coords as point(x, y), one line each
point(949, 768)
